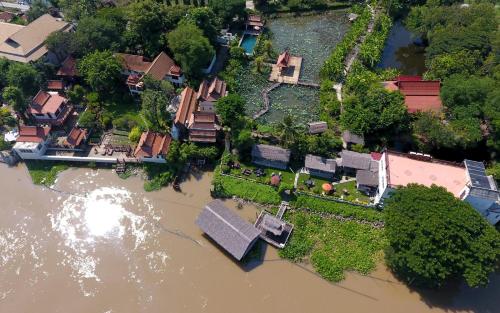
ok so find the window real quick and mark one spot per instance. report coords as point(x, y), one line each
point(26, 151)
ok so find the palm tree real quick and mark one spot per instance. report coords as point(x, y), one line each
point(287, 130)
point(259, 62)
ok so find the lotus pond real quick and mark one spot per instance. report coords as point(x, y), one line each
point(313, 37)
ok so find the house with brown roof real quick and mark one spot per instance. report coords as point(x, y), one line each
point(420, 95)
point(49, 108)
point(283, 61)
point(203, 127)
point(27, 43)
point(135, 67)
point(153, 147)
point(212, 91)
point(195, 120)
point(32, 142)
point(76, 137)
point(68, 69)
point(254, 23)
point(56, 85)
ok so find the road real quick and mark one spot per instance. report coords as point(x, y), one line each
point(22, 7)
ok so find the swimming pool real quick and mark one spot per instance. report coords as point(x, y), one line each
point(248, 43)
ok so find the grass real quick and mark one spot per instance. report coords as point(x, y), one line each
point(334, 247)
point(123, 106)
point(226, 186)
point(288, 177)
point(158, 176)
point(353, 195)
point(45, 172)
point(337, 208)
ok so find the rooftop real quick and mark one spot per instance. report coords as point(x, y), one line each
point(273, 153)
point(402, 170)
point(187, 106)
point(356, 160)
point(152, 144)
point(33, 134)
point(420, 95)
point(68, 68)
point(227, 229)
point(212, 91)
point(320, 164)
point(76, 136)
point(27, 43)
point(46, 102)
point(350, 137)
point(317, 127)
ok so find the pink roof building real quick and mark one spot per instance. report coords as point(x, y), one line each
point(420, 95)
point(49, 108)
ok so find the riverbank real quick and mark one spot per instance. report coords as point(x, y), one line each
point(154, 258)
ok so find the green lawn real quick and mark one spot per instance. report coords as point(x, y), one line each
point(287, 176)
point(123, 106)
point(333, 247)
point(45, 172)
point(353, 194)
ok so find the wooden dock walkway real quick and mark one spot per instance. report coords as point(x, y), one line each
point(265, 97)
point(283, 207)
point(308, 84)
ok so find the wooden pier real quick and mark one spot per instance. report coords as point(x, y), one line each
point(308, 84)
point(283, 207)
point(265, 97)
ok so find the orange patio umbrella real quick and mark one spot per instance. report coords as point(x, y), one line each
point(327, 187)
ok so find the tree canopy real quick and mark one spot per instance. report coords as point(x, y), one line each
point(191, 48)
point(378, 110)
point(154, 109)
point(228, 9)
point(101, 70)
point(434, 237)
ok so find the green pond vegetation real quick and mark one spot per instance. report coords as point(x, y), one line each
point(45, 172)
point(334, 247)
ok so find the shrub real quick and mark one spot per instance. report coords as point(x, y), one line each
point(135, 134)
point(87, 119)
point(124, 123)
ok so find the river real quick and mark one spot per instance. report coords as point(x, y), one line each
point(97, 243)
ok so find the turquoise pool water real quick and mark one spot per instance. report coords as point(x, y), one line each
point(248, 43)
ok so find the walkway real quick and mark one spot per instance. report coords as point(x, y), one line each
point(283, 207)
point(353, 55)
point(265, 97)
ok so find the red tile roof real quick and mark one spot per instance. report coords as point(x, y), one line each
point(187, 106)
point(162, 66)
point(68, 68)
point(376, 156)
point(132, 62)
point(76, 136)
point(420, 95)
point(152, 144)
point(55, 85)
point(283, 59)
point(212, 91)
point(33, 134)
point(255, 20)
point(202, 127)
point(45, 102)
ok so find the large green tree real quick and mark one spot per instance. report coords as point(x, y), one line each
point(376, 111)
point(204, 18)
point(191, 48)
point(37, 9)
point(154, 109)
point(230, 109)
point(434, 237)
point(25, 77)
point(15, 98)
point(101, 70)
point(148, 21)
point(77, 9)
point(228, 9)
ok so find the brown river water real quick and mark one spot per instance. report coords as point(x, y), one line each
point(96, 243)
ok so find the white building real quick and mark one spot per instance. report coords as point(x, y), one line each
point(467, 181)
point(32, 142)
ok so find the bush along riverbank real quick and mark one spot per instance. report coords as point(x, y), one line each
point(45, 172)
point(333, 246)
